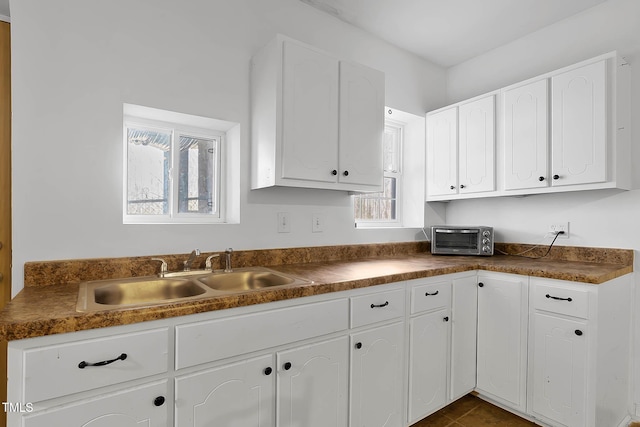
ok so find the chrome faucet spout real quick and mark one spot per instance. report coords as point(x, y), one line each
point(192, 256)
point(208, 265)
point(228, 268)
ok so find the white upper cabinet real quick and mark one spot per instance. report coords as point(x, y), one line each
point(579, 125)
point(310, 105)
point(526, 136)
point(460, 149)
point(317, 121)
point(477, 145)
point(566, 130)
point(361, 125)
point(442, 153)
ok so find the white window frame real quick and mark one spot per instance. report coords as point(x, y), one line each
point(177, 130)
point(397, 175)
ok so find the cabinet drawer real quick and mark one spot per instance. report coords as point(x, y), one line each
point(571, 302)
point(208, 341)
point(131, 407)
point(55, 371)
point(377, 307)
point(431, 296)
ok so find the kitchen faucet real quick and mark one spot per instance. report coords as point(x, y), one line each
point(192, 257)
point(228, 268)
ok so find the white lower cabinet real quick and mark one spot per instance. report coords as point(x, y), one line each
point(428, 365)
point(579, 352)
point(312, 385)
point(236, 395)
point(464, 324)
point(502, 338)
point(376, 376)
point(559, 373)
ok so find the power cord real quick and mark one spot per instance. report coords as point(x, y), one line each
point(521, 254)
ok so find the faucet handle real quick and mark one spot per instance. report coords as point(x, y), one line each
point(207, 263)
point(163, 266)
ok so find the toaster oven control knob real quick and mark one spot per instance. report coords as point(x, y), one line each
point(486, 233)
point(486, 241)
point(486, 249)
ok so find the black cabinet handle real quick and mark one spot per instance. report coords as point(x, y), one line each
point(578, 332)
point(446, 319)
point(427, 294)
point(462, 186)
point(558, 298)
point(159, 401)
point(358, 345)
point(345, 173)
point(268, 370)
point(386, 303)
point(334, 172)
point(84, 364)
point(287, 366)
point(556, 176)
point(452, 187)
point(541, 178)
point(480, 284)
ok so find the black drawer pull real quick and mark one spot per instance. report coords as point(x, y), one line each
point(558, 298)
point(446, 319)
point(480, 284)
point(159, 401)
point(84, 364)
point(287, 366)
point(358, 345)
point(268, 370)
point(578, 332)
point(427, 294)
point(386, 303)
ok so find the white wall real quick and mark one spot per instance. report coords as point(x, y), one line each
point(76, 62)
point(597, 218)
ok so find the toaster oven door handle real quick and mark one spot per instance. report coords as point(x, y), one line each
point(447, 230)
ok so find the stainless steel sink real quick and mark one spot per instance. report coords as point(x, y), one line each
point(248, 279)
point(116, 293)
point(180, 286)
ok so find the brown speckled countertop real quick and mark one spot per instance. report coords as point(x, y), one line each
point(51, 309)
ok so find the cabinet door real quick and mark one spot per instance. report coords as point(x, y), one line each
point(428, 356)
point(361, 125)
point(526, 136)
point(559, 369)
point(464, 322)
point(476, 167)
point(309, 114)
point(502, 338)
point(237, 395)
point(442, 152)
point(312, 385)
point(376, 377)
point(579, 125)
point(141, 406)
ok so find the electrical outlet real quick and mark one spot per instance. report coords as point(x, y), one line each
point(317, 223)
point(560, 226)
point(284, 224)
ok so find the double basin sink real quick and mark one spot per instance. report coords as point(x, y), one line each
point(176, 287)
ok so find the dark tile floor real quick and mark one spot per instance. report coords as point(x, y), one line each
point(470, 411)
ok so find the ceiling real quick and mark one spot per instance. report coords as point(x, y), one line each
point(448, 32)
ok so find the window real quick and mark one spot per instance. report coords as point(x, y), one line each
point(383, 208)
point(172, 173)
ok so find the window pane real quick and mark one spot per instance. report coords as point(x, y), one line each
point(148, 162)
point(377, 206)
point(391, 148)
point(197, 172)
